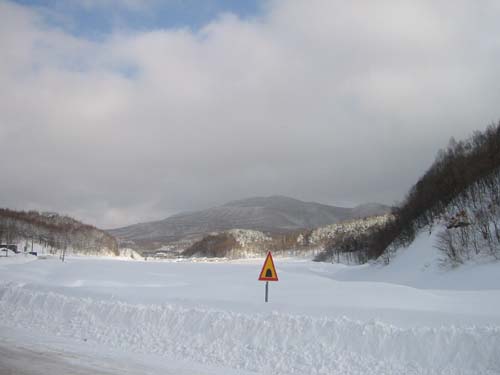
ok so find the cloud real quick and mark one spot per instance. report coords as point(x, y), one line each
point(322, 100)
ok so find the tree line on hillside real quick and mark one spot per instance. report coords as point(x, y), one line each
point(224, 244)
point(352, 247)
point(212, 246)
point(461, 189)
point(53, 231)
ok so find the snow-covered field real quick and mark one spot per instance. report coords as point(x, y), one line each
point(134, 317)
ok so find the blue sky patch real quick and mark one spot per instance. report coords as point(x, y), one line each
point(95, 19)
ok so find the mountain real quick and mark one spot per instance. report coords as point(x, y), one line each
point(267, 214)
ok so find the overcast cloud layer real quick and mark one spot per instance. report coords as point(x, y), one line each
point(331, 101)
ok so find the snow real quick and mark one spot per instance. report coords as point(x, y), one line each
point(25, 354)
point(353, 227)
point(421, 265)
point(13, 258)
point(247, 236)
point(410, 317)
point(127, 253)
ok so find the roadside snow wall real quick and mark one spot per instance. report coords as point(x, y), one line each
point(265, 343)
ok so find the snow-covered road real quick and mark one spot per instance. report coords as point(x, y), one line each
point(23, 353)
point(321, 319)
point(23, 360)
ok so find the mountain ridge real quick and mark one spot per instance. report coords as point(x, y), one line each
point(268, 214)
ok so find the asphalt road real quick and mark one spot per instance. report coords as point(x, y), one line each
point(23, 361)
point(25, 355)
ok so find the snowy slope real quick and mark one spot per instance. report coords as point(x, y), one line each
point(321, 319)
point(421, 265)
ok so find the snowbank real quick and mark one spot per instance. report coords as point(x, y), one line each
point(14, 258)
point(322, 318)
point(266, 343)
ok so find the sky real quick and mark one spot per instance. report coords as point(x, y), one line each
point(117, 112)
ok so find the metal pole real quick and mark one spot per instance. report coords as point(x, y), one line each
point(267, 290)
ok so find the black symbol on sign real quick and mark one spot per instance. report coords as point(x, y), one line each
point(269, 273)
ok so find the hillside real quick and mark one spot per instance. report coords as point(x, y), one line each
point(245, 243)
point(53, 232)
point(458, 197)
point(275, 214)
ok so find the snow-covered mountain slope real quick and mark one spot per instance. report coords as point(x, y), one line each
point(422, 265)
point(269, 214)
point(321, 319)
point(350, 227)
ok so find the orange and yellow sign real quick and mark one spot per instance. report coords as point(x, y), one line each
point(268, 272)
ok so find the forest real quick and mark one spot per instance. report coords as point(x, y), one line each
point(53, 232)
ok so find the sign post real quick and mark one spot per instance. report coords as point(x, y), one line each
point(268, 273)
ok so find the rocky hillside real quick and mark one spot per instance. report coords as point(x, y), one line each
point(54, 232)
point(276, 214)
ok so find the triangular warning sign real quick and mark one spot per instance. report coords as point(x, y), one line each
point(268, 272)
